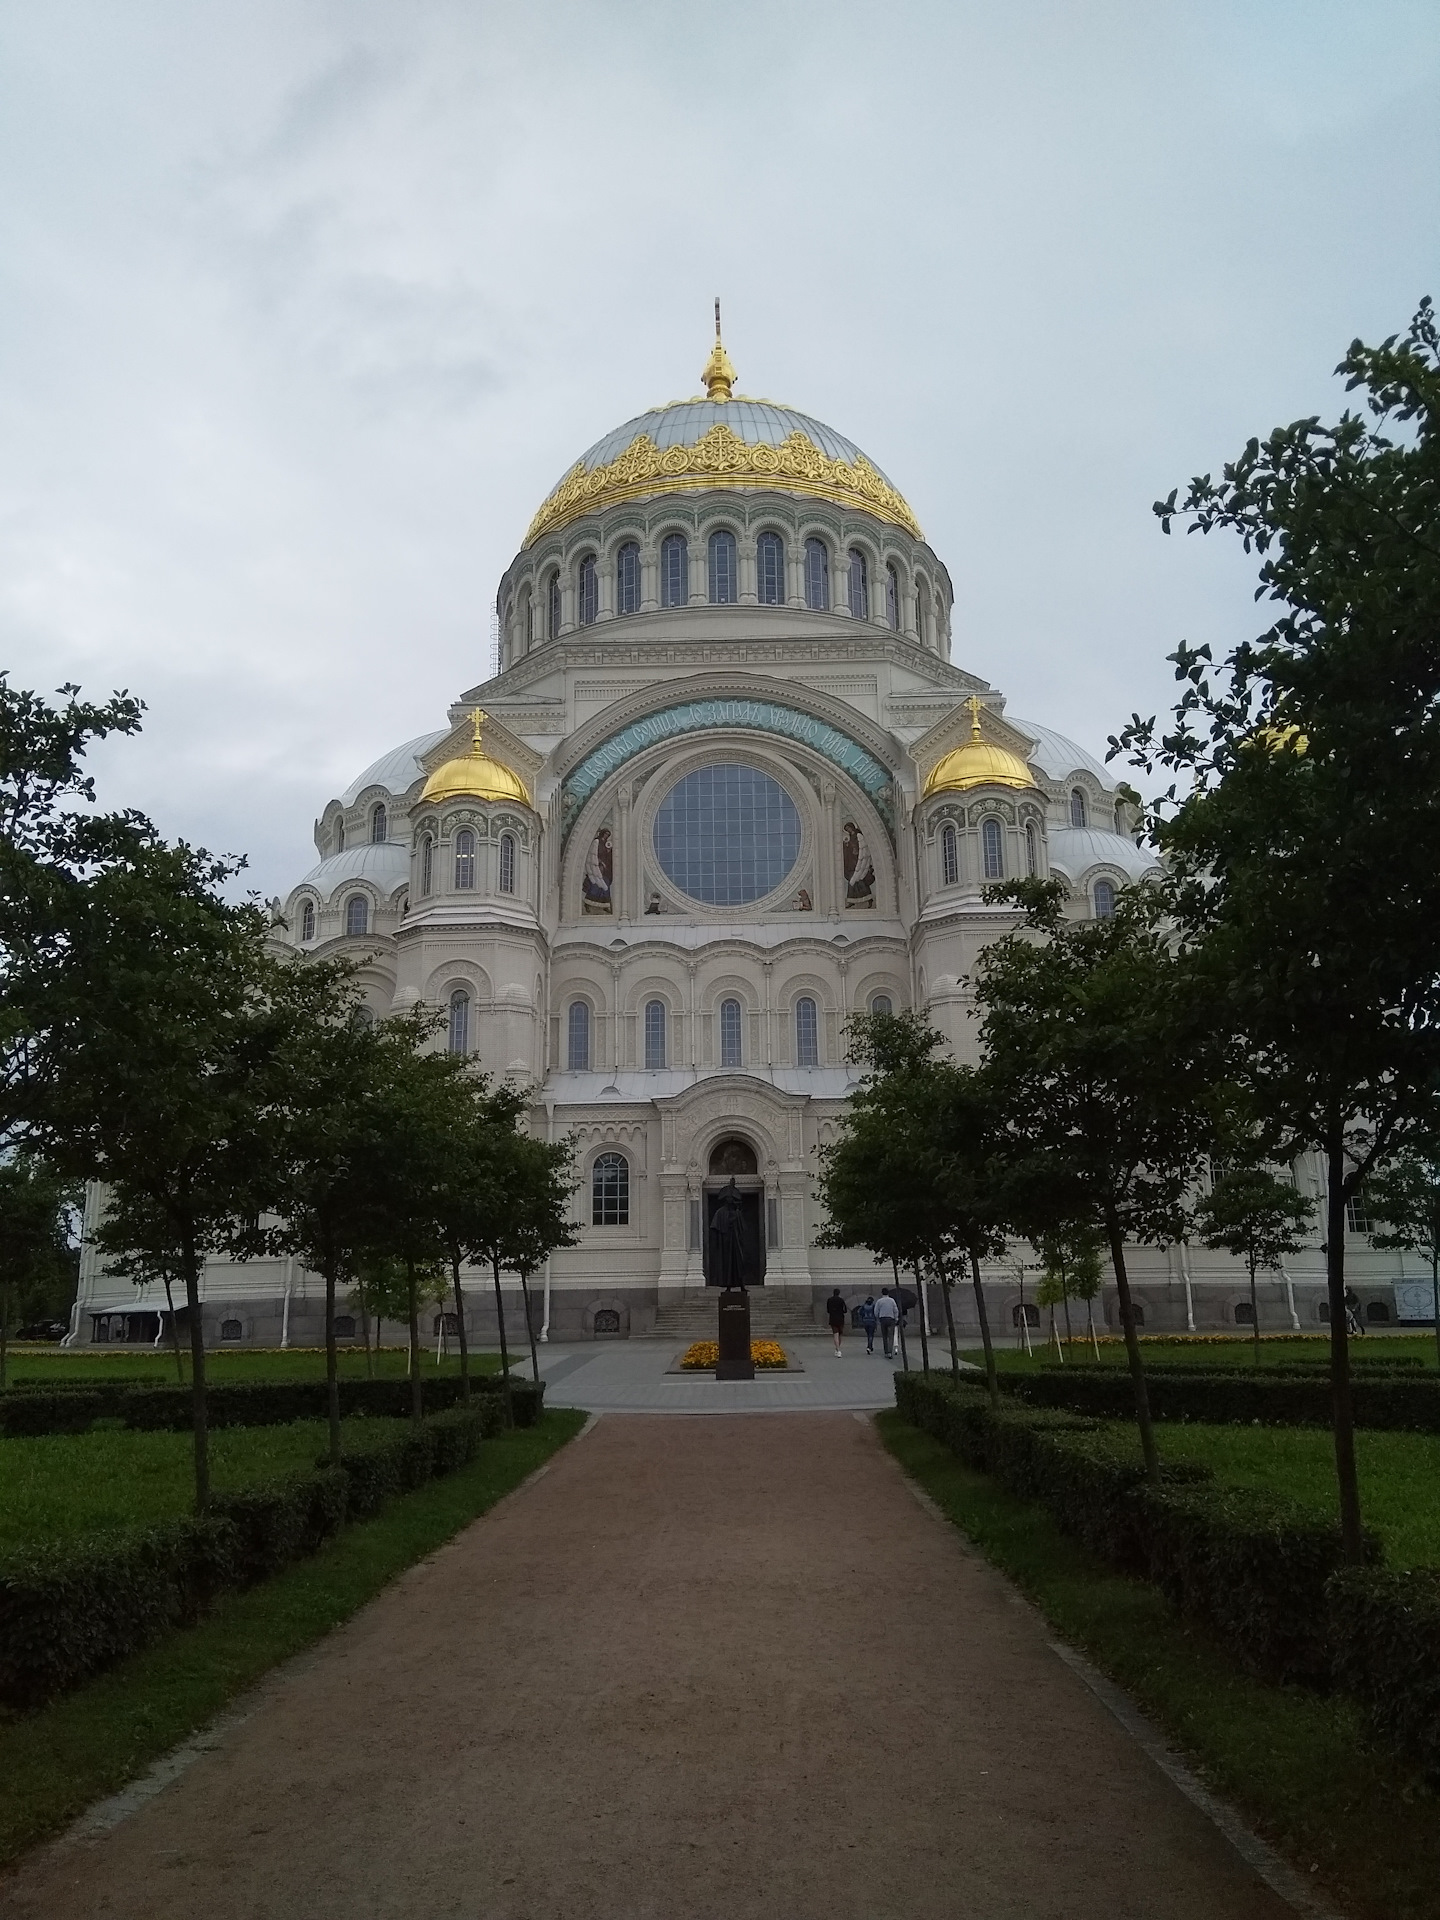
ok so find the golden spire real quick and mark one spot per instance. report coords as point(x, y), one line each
point(719, 372)
point(477, 720)
point(973, 703)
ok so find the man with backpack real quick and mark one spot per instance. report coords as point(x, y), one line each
point(867, 1321)
point(887, 1313)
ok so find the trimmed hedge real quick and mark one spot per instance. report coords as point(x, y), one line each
point(1252, 1565)
point(1219, 1398)
point(1385, 1641)
point(68, 1610)
point(248, 1404)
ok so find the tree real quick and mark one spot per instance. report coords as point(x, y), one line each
point(36, 1204)
point(1258, 1216)
point(1404, 1202)
point(1097, 1051)
point(140, 1240)
point(1306, 789)
point(1070, 1261)
point(540, 1223)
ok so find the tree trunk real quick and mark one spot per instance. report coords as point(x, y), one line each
point(924, 1330)
point(365, 1330)
point(950, 1328)
point(199, 1422)
point(991, 1378)
point(174, 1331)
point(4, 1336)
point(1065, 1302)
point(417, 1390)
point(1255, 1315)
point(530, 1325)
point(900, 1318)
point(1435, 1296)
point(332, 1365)
point(1341, 1414)
point(1132, 1347)
point(504, 1350)
point(460, 1323)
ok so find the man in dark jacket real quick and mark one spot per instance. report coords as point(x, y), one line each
point(836, 1312)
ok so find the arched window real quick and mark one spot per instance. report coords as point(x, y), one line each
point(881, 1003)
point(339, 836)
point(507, 863)
point(817, 576)
point(892, 598)
point(1357, 1212)
point(674, 571)
point(859, 586)
point(307, 920)
point(522, 621)
point(1244, 1314)
point(949, 855)
point(723, 591)
point(1104, 899)
point(1377, 1313)
point(807, 1033)
point(577, 1054)
point(465, 858)
point(730, 1033)
point(344, 1326)
point(654, 1033)
point(587, 605)
point(231, 1330)
point(992, 847)
point(427, 864)
point(627, 578)
point(459, 1021)
point(610, 1191)
point(357, 914)
point(1077, 807)
point(1028, 1314)
point(1032, 850)
point(552, 607)
point(379, 826)
point(446, 1323)
point(920, 613)
point(770, 570)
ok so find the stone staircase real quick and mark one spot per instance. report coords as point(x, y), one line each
point(775, 1314)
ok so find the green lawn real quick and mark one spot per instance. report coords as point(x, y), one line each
point(1296, 1764)
point(49, 1366)
point(1225, 1350)
point(76, 1483)
point(56, 1762)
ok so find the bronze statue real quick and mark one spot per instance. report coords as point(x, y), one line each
point(727, 1239)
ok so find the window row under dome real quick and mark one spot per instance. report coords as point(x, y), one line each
point(465, 863)
point(729, 1026)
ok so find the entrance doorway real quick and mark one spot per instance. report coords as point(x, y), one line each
point(735, 1160)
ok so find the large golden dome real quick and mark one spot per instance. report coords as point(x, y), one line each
point(475, 775)
point(979, 763)
point(722, 440)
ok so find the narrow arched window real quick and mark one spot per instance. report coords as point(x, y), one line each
point(587, 605)
point(339, 836)
point(459, 1021)
point(723, 590)
point(807, 1033)
point(730, 1035)
point(627, 578)
point(859, 586)
point(357, 914)
point(949, 855)
point(1077, 807)
point(920, 614)
point(881, 1003)
point(465, 858)
point(379, 826)
point(654, 1033)
point(770, 570)
point(427, 865)
point(577, 1054)
point(552, 607)
point(817, 576)
point(507, 863)
point(674, 571)
point(610, 1191)
point(992, 846)
point(307, 920)
point(1104, 899)
point(1032, 850)
point(892, 598)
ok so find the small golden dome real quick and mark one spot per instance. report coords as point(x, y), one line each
point(979, 763)
point(475, 775)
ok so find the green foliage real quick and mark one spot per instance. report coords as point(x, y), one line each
point(1385, 1636)
point(37, 1267)
point(1399, 1401)
point(1258, 1216)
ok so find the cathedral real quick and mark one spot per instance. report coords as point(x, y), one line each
point(728, 788)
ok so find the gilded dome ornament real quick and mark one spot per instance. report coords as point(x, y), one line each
point(475, 775)
point(718, 375)
point(979, 763)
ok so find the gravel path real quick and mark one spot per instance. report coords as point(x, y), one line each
point(698, 1668)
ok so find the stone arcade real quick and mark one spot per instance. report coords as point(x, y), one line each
point(727, 789)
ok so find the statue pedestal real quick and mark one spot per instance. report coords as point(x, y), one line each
point(735, 1362)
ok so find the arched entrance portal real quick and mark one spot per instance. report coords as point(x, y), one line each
point(734, 1159)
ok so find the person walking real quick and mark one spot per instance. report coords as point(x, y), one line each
point(867, 1321)
point(887, 1312)
point(836, 1313)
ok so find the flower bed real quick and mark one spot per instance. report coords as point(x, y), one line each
point(703, 1356)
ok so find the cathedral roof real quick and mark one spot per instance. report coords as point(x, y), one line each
point(1073, 851)
point(396, 771)
point(386, 865)
point(721, 440)
point(1058, 757)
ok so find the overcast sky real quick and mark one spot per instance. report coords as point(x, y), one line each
point(306, 306)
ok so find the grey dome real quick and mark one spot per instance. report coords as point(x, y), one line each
point(386, 865)
point(1075, 851)
point(756, 422)
point(396, 771)
point(1058, 757)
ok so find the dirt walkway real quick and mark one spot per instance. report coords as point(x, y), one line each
point(701, 1668)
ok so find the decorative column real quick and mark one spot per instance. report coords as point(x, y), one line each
point(749, 589)
point(605, 568)
point(649, 580)
point(699, 573)
point(628, 902)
